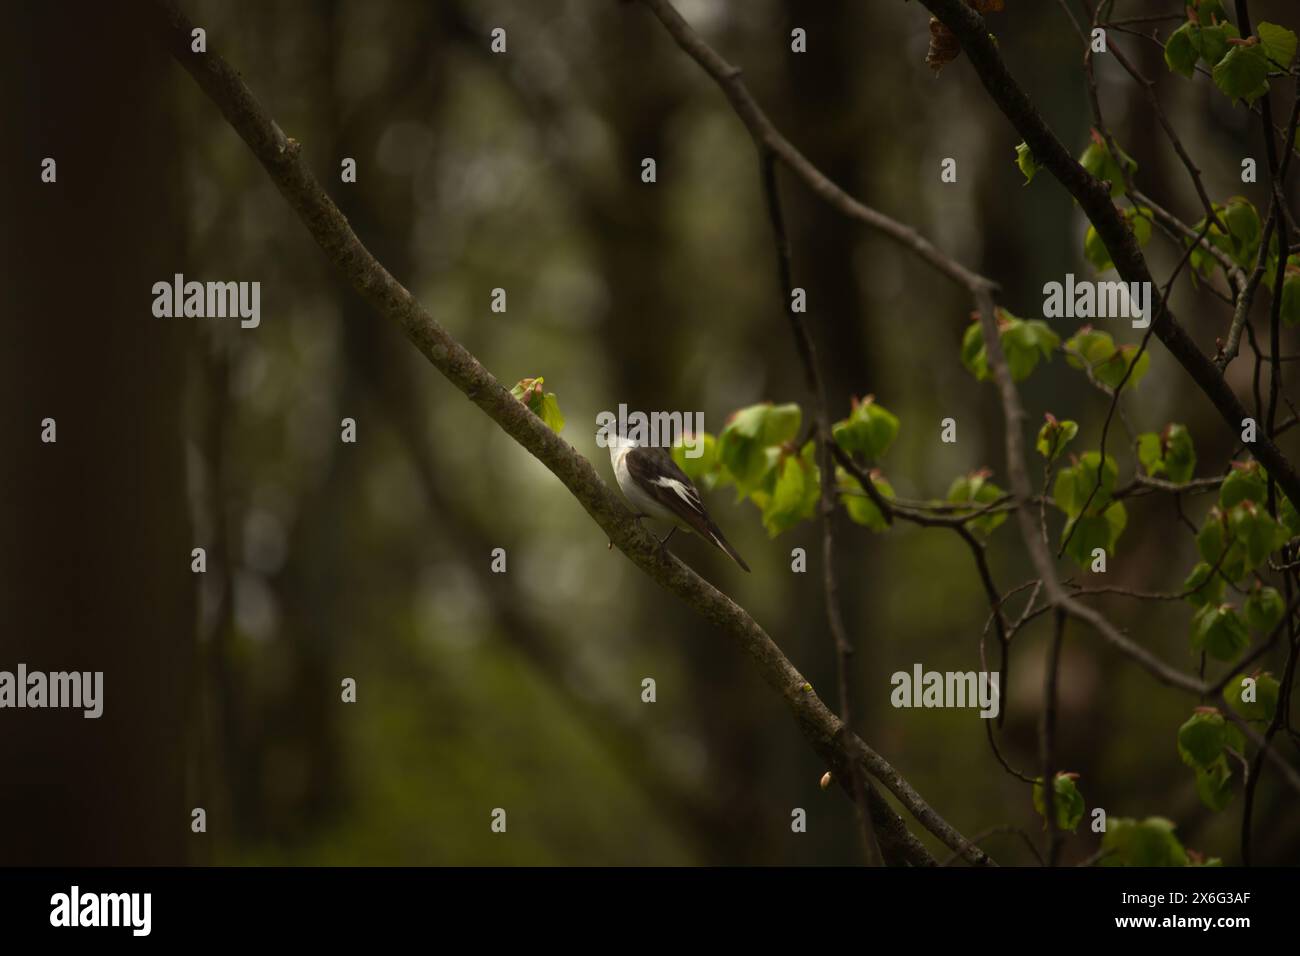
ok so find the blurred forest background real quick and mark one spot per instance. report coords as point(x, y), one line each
point(371, 560)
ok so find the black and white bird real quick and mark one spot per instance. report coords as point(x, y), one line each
point(657, 488)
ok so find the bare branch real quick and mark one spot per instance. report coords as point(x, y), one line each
point(764, 132)
point(1047, 739)
point(828, 500)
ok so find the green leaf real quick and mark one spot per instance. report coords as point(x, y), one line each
point(1202, 737)
point(1169, 453)
point(869, 430)
point(1202, 39)
point(1067, 802)
point(1179, 453)
point(1097, 160)
point(1202, 262)
point(1203, 587)
point(1219, 631)
point(1088, 532)
point(1090, 463)
point(551, 413)
point(781, 424)
point(1245, 482)
point(1054, 436)
point(1291, 295)
point(976, 489)
point(1288, 515)
point(748, 422)
point(749, 445)
point(1240, 243)
point(1242, 219)
point(1074, 485)
point(1203, 742)
point(862, 510)
point(1214, 785)
point(524, 388)
point(1151, 453)
point(1264, 608)
point(1265, 693)
point(1150, 842)
point(1290, 311)
point(1180, 53)
point(1096, 251)
point(1096, 351)
point(1279, 44)
point(704, 469)
point(1067, 494)
point(795, 493)
point(1211, 40)
point(1111, 372)
point(1256, 531)
point(973, 354)
point(1243, 73)
point(1213, 539)
point(1208, 11)
point(1092, 347)
point(1139, 220)
point(1023, 342)
point(1213, 536)
point(1025, 160)
point(542, 404)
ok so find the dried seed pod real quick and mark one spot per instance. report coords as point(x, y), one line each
point(944, 46)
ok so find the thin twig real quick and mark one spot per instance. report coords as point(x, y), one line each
point(1047, 739)
point(822, 437)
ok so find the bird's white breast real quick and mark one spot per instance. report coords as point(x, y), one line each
point(632, 491)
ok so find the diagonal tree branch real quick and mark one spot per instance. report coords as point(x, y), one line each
point(1094, 198)
point(281, 156)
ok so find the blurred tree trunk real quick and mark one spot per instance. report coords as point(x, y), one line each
point(94, 533)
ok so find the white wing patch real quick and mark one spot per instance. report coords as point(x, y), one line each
point(685, 492)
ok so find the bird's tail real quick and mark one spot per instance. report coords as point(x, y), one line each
point(725, 545)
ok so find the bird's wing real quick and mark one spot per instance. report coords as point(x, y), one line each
point(655, 472)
